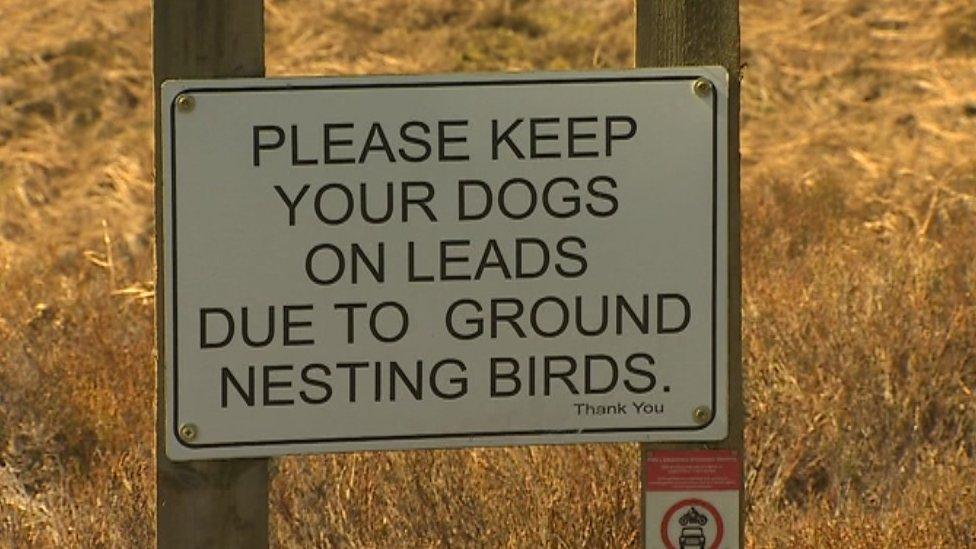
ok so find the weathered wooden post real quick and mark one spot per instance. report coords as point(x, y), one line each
point(681, 33)
point(204, 503)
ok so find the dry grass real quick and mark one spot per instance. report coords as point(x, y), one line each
point(859, 195)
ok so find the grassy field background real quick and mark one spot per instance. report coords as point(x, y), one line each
point(859, 195)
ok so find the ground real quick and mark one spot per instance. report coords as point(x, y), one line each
point(859, 315)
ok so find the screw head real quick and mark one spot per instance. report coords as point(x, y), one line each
point(185, 102)
point(702, 87)
point(702, 414)
point(188, 432)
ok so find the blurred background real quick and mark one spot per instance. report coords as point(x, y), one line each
point(859, 278)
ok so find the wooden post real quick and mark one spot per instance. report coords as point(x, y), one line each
point(205, 503)
point(674, 33)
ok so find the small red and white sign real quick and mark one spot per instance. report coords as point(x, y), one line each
point(692, 499)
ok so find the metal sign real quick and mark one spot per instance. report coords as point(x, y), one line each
point(444, 261)
point(692, 499)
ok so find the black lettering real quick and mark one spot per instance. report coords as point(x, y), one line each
point(563, 318)
point(247, 396)
point(535, 137)
point(549, 374)
point(497, 139)
point(476, 322)
point(444, 140)
point(521, 271)
point(320, 383)
point(377, 269)
point(512, 376)
point(446, 259)
point(412, 275)
point(651, 381)
point(642, 321)
point(572, 200)
point(465, 184)
point(503, 193)
point(383, 217)
point(270, 384)
point(353, 368)
point(628, 133)
point(415, 387)
point(423, 202)
point(245, 332)
point(260, 145)
point(575, 136)
point(350, 318)
point(374, 324)
point(376, 132)
point(295, 160)
point(319, 210)
point(492, 258)
point(330, 143)
point(310, 259)
point(610, 199)
point(208, 311)
point(459, 382)
point(511, 319)
point(291, 204)
point(589, 388)
point(686, 317)
point(604, 317)
point(415, 140)
point(561, 249)
point(289, 324)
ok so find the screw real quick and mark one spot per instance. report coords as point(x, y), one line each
point(185, 102)
point(188, 432)
point(702, 87)
point(702, 414)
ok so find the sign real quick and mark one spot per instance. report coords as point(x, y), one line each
point(444, 261)
point(692, 499)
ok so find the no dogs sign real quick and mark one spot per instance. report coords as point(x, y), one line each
point(442, 261)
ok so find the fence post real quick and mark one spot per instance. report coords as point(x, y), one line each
point(674, 33)
point(204, 503)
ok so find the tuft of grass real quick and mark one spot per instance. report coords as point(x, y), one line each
point(959, 31)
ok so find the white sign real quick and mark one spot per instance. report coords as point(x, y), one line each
point(444, 261)
point(692, 499)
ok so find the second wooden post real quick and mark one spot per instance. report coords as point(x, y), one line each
point(674, 33)
point(206, 504)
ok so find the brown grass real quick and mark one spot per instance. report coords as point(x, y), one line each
point(859, 195)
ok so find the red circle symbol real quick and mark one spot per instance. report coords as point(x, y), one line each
point(719, 525)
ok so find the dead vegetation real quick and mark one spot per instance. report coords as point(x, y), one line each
point(859, 194)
